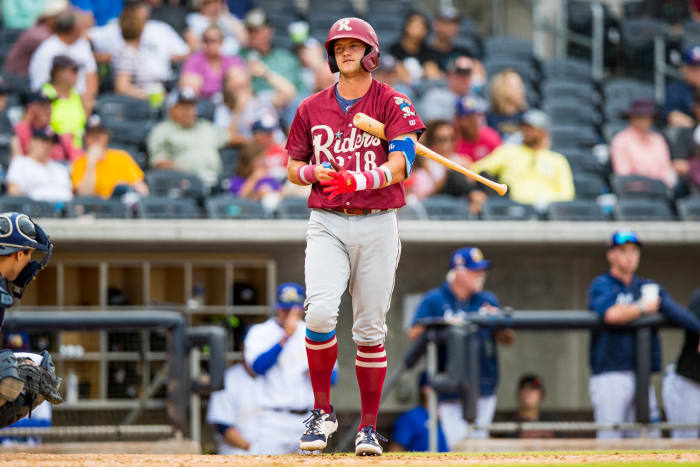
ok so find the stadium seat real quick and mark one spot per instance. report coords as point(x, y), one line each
point(555, 89)
point(638, 45)
point(158, 207)
point(643, 210)
point(572, 111)
point(139, 156)
point(499, 209)
point(229, 159)
point(577, 210)
point(506, 46)
point(581, 161)
point(588, 186)
point(175, 184)
point(97, 207)
point(339, 8)
point(582, 136)
point(129, 132)
point(412, 212)
point(396, 8)
point(638, 187)
point(689, 208)
point(206, 109)
point(116, 107)
point(627, 88)
point(293, 208)
point(611, 128)
point(29, 206)
point(523, 67)
point(228, 207)
point(571, 69)
point(443, 207)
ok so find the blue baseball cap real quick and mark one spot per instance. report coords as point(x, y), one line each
point(290, 295)
point(622, 237)
point(470, 105)
point(470, 258)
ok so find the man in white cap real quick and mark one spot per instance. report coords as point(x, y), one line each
point(17, 61)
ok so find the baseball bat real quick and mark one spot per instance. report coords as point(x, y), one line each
point(376, 128)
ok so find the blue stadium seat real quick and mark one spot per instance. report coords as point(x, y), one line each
point(643, 210)
point(582, 161)
point(228, 207)
point(506, 46)
point(29, 206)
point(577, 210)
point(689, 208)
point(97, 207)
point(158, 207)
point(499, 209)
point(572, 69)
point(588, 186)
point(293, 208)
point(206, 109)
point(229, 159)
point(523, 67)
point(581, 136)
point(175, 184)
point(443, 207)
point(116, 107)
point(557, 89)
point(572, 111)
point(638, 187)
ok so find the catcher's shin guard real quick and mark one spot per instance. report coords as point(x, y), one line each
point(11, 384)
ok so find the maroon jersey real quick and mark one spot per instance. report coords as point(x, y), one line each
point(321, 132)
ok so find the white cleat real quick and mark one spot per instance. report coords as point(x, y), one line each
point(367, 442)
point(320, 427)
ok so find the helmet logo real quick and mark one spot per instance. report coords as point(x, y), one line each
point(344, 25)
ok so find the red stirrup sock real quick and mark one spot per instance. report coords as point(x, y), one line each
point(370, 367)
point(322, 356)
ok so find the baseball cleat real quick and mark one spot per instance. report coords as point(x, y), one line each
point(320, 427)
point(367, 442)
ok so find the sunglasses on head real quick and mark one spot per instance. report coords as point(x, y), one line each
point(627, 236)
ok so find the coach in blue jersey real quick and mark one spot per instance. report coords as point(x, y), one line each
point(620, 296)
point(463, 293)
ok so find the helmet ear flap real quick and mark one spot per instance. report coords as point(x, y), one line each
point(370, 61)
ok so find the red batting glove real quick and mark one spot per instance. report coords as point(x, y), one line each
point(341, 182)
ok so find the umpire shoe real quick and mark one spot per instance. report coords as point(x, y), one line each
point(367, 442)
point(320, 427)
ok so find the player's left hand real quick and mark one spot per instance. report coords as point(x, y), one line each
point(340, 182)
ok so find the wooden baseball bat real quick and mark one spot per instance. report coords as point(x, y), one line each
point(376, 128)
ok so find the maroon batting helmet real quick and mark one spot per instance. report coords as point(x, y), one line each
point(354, 28)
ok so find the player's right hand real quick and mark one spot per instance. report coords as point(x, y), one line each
point(322, 173)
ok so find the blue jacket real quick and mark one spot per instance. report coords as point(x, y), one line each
point(441, 302)
point(679, 96)
point(615, 349)
point(411, 431)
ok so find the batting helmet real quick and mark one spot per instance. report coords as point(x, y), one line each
point(354, 28)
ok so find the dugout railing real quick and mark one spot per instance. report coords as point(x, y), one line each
point(182, 385)
point(462, 372)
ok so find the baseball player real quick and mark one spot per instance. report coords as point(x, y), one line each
point(234, 411)
point(26, 379)
point(275, 351)
point(620, 296)
point(463, 293)
point(681, 387)
point(352, 235)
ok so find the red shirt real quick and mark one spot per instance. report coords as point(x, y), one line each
point(487, 141)
point(63, 151)
point(321, 132)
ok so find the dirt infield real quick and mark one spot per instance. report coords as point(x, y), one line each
point(649, 458)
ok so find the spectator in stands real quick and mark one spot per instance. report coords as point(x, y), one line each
point(275, 155)
point(412, 50)
point(102, 169)
point(446, 29)
point(388, 72)
point(411, 428)
point(186, 143)
point(17, 60)
point(638, 150)
point(241, 108)
point(67, 111)
point(171, 12)
point(312, 57)
point(67, 40)
point(20, 14)
point(439, 102)
point(36, 175)
point(530, 396)
point(620, 296)
point(37, 117)
point(215, 12)
point(428, 177)
point(7, 133)
point(252, 178)
point(204, 71)
point(475, 140)
point(694, 164)
point(508, 103)
point(153, 46)
point(680, 94)
point(277, 60)
point(103, 11)
point(534, 174)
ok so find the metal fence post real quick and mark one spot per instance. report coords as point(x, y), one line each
point(432, 369)
point(598, 41)
point(177, 383)
point(659, 68)
point(642, 374)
